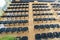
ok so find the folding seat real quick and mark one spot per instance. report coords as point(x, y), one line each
point(55, 34)
point(59, 34)
point(50, 35)
point(25, 21)
point(14, 30)
point(38, 37)
point(52, 26)
point(24, 38)
point(58, 26)
point(8, 30)
point(4, 22)
point(2, 30)
point(47, 26)
point(41, 26)
point(36, 19)
point(24, 29)
point(43, 35)
point(19, 29)
point(36, 27)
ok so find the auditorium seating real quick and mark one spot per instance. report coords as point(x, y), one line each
point(47, 35)
point(11, 22)
point(48, 26)
point(25, 15)
point(44, 19)
point(14, 29)
point(40, 6)
point(43, 14)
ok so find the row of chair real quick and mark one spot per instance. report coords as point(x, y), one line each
point(18, 7)
point(47, 26)
point(13, 22)
point(14, 29)
point(41, 9)
point(43, 14)
point(22, 1)
point(22, 38)
point(44, 19)
point(40, 6)
point(47, 35)
point(46, 0)
point(24, 15)
point(18, 4)
point(58, 6)
point(16, 11)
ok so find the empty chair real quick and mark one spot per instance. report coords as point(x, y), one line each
point(41, 26)
point(55, 34)
point(50, 35)
point(24, 29)
point(59, 34)
point(57, 25)
point(47, 26)
point(36, 27)
point(25, 21)
point(38, 37)
point(2, 30)
point(14, 30)
point(52, 26)
point(43, 35)
point(8, 30)
point(24, 38)
point(19, 29)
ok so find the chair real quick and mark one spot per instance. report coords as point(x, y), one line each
point(37, 36)
point(19, 29)
point(36, 27)
point(24, 38)
point(41, 26)
point(55, 34)
point(52, 26)
point(24, 29)
point(8, 30)
point(43, 35)
point(2, 30)
point(47, 26)
point(14, 30)
point(25, 21)
point(50, 35)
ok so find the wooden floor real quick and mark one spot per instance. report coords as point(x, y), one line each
point(31, 32)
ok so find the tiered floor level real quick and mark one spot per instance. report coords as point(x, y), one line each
point(35, 20)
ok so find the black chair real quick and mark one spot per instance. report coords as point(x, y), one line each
point(25, 21)
point(59, 34)
point(24, 38)
point(55, 34)
point(41, 26)
point(43, 35)
point(47, 26)
point(2, 30)
point(58, 26)
point(8, 30)
point(14, 30)
point(37, 36)
point(36, 27)
point(50, 35)
point(24, 29)
point(52, 26)
point(19, 29)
